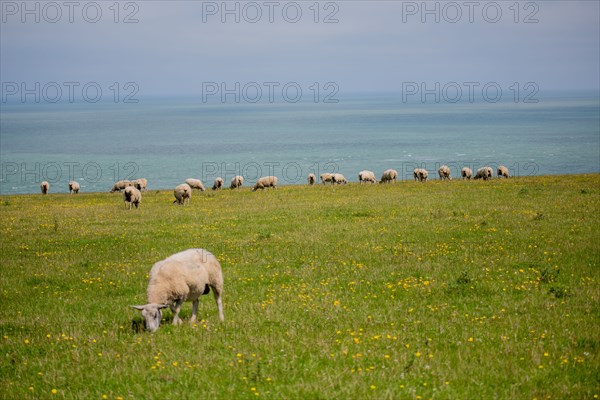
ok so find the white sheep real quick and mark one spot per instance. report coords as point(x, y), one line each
point(237, 182)
point(466, 173)
point(444, 172)
point(420, 174)
point(389, 175)
point(45, 187)
point(326, 177)
point(182, 194)
point(195, 184)
point(218, 184)
point(312, 179)
point(367, 177)
point(74, 187)
point(484, 173)
point(120, 185)
point(503, 172)
point(140, 184)
point(132, 197)
point(265, 182)
point(182, 277)
point(339, 179)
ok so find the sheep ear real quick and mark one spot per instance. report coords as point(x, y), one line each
point(138, 307)
point(161, 306)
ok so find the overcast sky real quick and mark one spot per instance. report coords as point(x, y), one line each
point(172, 47)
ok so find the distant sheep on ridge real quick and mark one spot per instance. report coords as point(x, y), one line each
point(132, 197)
point(74, 187)
point(484, 173)
point(218, 184)
point(389, 175)
point(339, 179)
point(466, 173)
point(195, 184)
point(326, 177)
point(182, 194)
point(265, 182)
point(367, 177)
point(420, 174)
point(503, 172)
point(444, 172)
point(237, 182)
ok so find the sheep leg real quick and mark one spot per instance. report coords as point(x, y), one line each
point(175, 308)
point(194, 310)
point(219, 303)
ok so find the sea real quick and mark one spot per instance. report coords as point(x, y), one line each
point(169, 139)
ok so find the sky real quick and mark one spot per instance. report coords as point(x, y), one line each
point(186, 47)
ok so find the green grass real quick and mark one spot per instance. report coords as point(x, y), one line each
point(443, 290)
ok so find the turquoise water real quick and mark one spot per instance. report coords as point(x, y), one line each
point(168, 140)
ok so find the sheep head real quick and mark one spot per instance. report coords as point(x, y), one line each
point(152, 315)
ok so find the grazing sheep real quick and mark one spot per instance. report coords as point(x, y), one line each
point(326, 177)
point(264, 182)
point(503, 172)
point(237, 182)
point(132, 196)
point(140, 184)
point(195, 184)
point(120, 185)
point(484, 173)
point(312, 179)
point(182, 277)
point(466, 173)
point(444, 172)
point(45, 187)
point(420, 174)
point(339, 179)
point(389, 175)
point(218, 184)
point(367, 176)
point(182, 193)
point(74, 187)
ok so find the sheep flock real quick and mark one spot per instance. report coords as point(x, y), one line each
point(183, 192)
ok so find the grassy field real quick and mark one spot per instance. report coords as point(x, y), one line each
point(442, 290)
